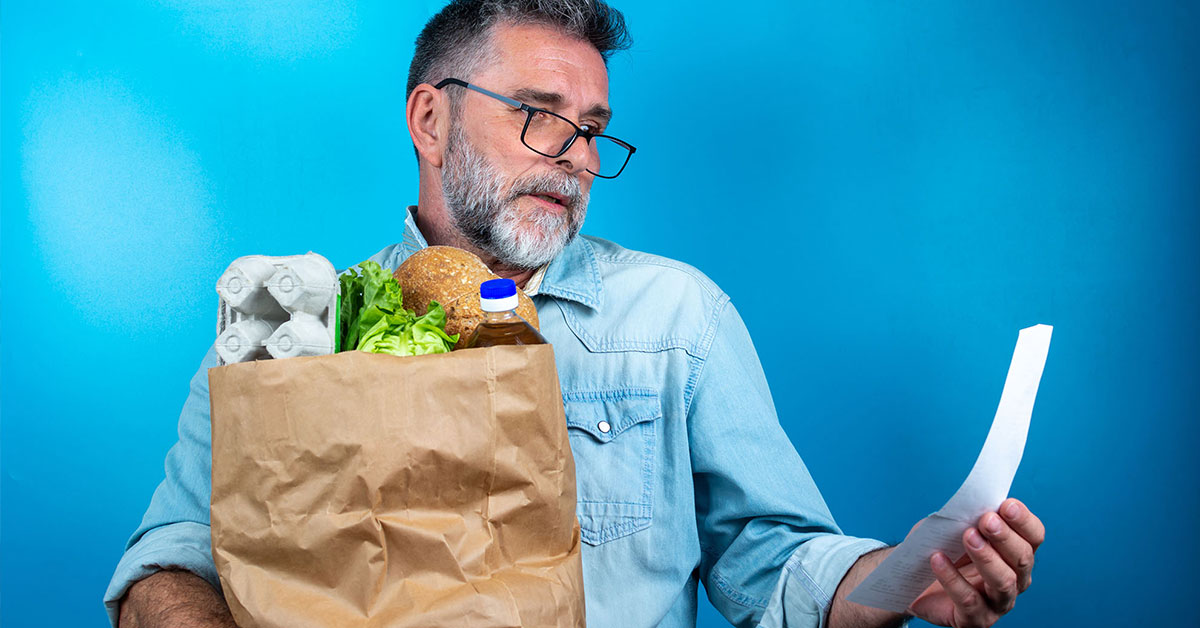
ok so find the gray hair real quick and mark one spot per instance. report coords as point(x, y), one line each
point(456, 41)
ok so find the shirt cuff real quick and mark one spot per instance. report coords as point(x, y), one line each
point(810, 578)
point(186, 545)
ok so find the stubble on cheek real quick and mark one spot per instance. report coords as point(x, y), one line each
point(497, 214)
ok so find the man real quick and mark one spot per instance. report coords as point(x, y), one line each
point(508, 112)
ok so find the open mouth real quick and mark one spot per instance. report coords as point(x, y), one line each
point(552, 199)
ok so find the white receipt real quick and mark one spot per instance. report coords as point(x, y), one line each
point(905, 573)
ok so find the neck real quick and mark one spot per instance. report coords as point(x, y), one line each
point(435, 224)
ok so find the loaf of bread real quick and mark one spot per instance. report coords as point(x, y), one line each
point(451, 277)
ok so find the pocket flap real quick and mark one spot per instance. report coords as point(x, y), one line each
point(605, 414)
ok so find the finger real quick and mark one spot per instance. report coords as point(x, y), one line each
point(1023, 521)
point(1016, 551)
point(999, 579)
point(968, 601)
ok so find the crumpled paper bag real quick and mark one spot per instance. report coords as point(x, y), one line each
point(372, 490)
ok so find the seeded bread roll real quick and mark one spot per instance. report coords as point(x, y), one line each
point(451, 277)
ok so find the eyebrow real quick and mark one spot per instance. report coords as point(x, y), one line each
point(554, 99)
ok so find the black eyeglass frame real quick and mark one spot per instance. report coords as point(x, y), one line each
point(531, 110)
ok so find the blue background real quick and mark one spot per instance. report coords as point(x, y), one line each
point(887, 190)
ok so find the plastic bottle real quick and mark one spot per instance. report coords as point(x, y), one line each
point(502, 325)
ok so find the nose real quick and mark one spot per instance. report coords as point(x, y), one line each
point(579, 157)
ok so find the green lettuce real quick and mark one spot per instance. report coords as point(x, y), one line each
point(372, 316)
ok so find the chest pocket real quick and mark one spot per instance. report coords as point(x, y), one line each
point(614, 440)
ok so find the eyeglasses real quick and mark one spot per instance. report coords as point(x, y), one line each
point(549, 134)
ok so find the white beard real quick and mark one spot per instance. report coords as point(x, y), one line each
point(491, 219)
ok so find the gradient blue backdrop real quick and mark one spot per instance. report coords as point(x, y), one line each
point(887, 190)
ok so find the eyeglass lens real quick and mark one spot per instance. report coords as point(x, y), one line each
point(549, 134)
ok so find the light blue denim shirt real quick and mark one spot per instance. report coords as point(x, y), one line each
point(684, 472)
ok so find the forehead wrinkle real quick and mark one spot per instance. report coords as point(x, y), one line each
point(536, 64)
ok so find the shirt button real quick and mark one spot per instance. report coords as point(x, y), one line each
point(604, 427)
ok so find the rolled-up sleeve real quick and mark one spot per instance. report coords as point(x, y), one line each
point(175, 533)
point(805, 588)
point(771, 553)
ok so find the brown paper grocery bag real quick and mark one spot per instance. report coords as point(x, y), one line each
point(378, 491)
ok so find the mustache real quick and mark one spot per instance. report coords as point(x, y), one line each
point(558, 183)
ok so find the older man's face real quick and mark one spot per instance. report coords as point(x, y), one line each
point(513, 203)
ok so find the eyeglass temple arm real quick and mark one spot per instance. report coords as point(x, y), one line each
point(504, 99)
point(520, 105)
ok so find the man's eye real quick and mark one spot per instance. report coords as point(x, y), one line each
point(594, 129)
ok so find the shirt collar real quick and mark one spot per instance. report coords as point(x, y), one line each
point(534, 283)
point(573, 275)
point(412, 235)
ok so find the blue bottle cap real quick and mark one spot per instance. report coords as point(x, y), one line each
point(497, 289)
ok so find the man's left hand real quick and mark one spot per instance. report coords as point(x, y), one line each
point(985, 583)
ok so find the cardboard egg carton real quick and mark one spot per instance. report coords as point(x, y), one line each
point(277, 307)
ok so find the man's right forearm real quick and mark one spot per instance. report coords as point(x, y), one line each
point(846, 614)
point(176, 599)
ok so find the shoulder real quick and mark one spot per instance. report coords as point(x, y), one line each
point(618, 264)
point(392, 256)
point(649, 302)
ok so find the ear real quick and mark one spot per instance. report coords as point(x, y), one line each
point(427, 113)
